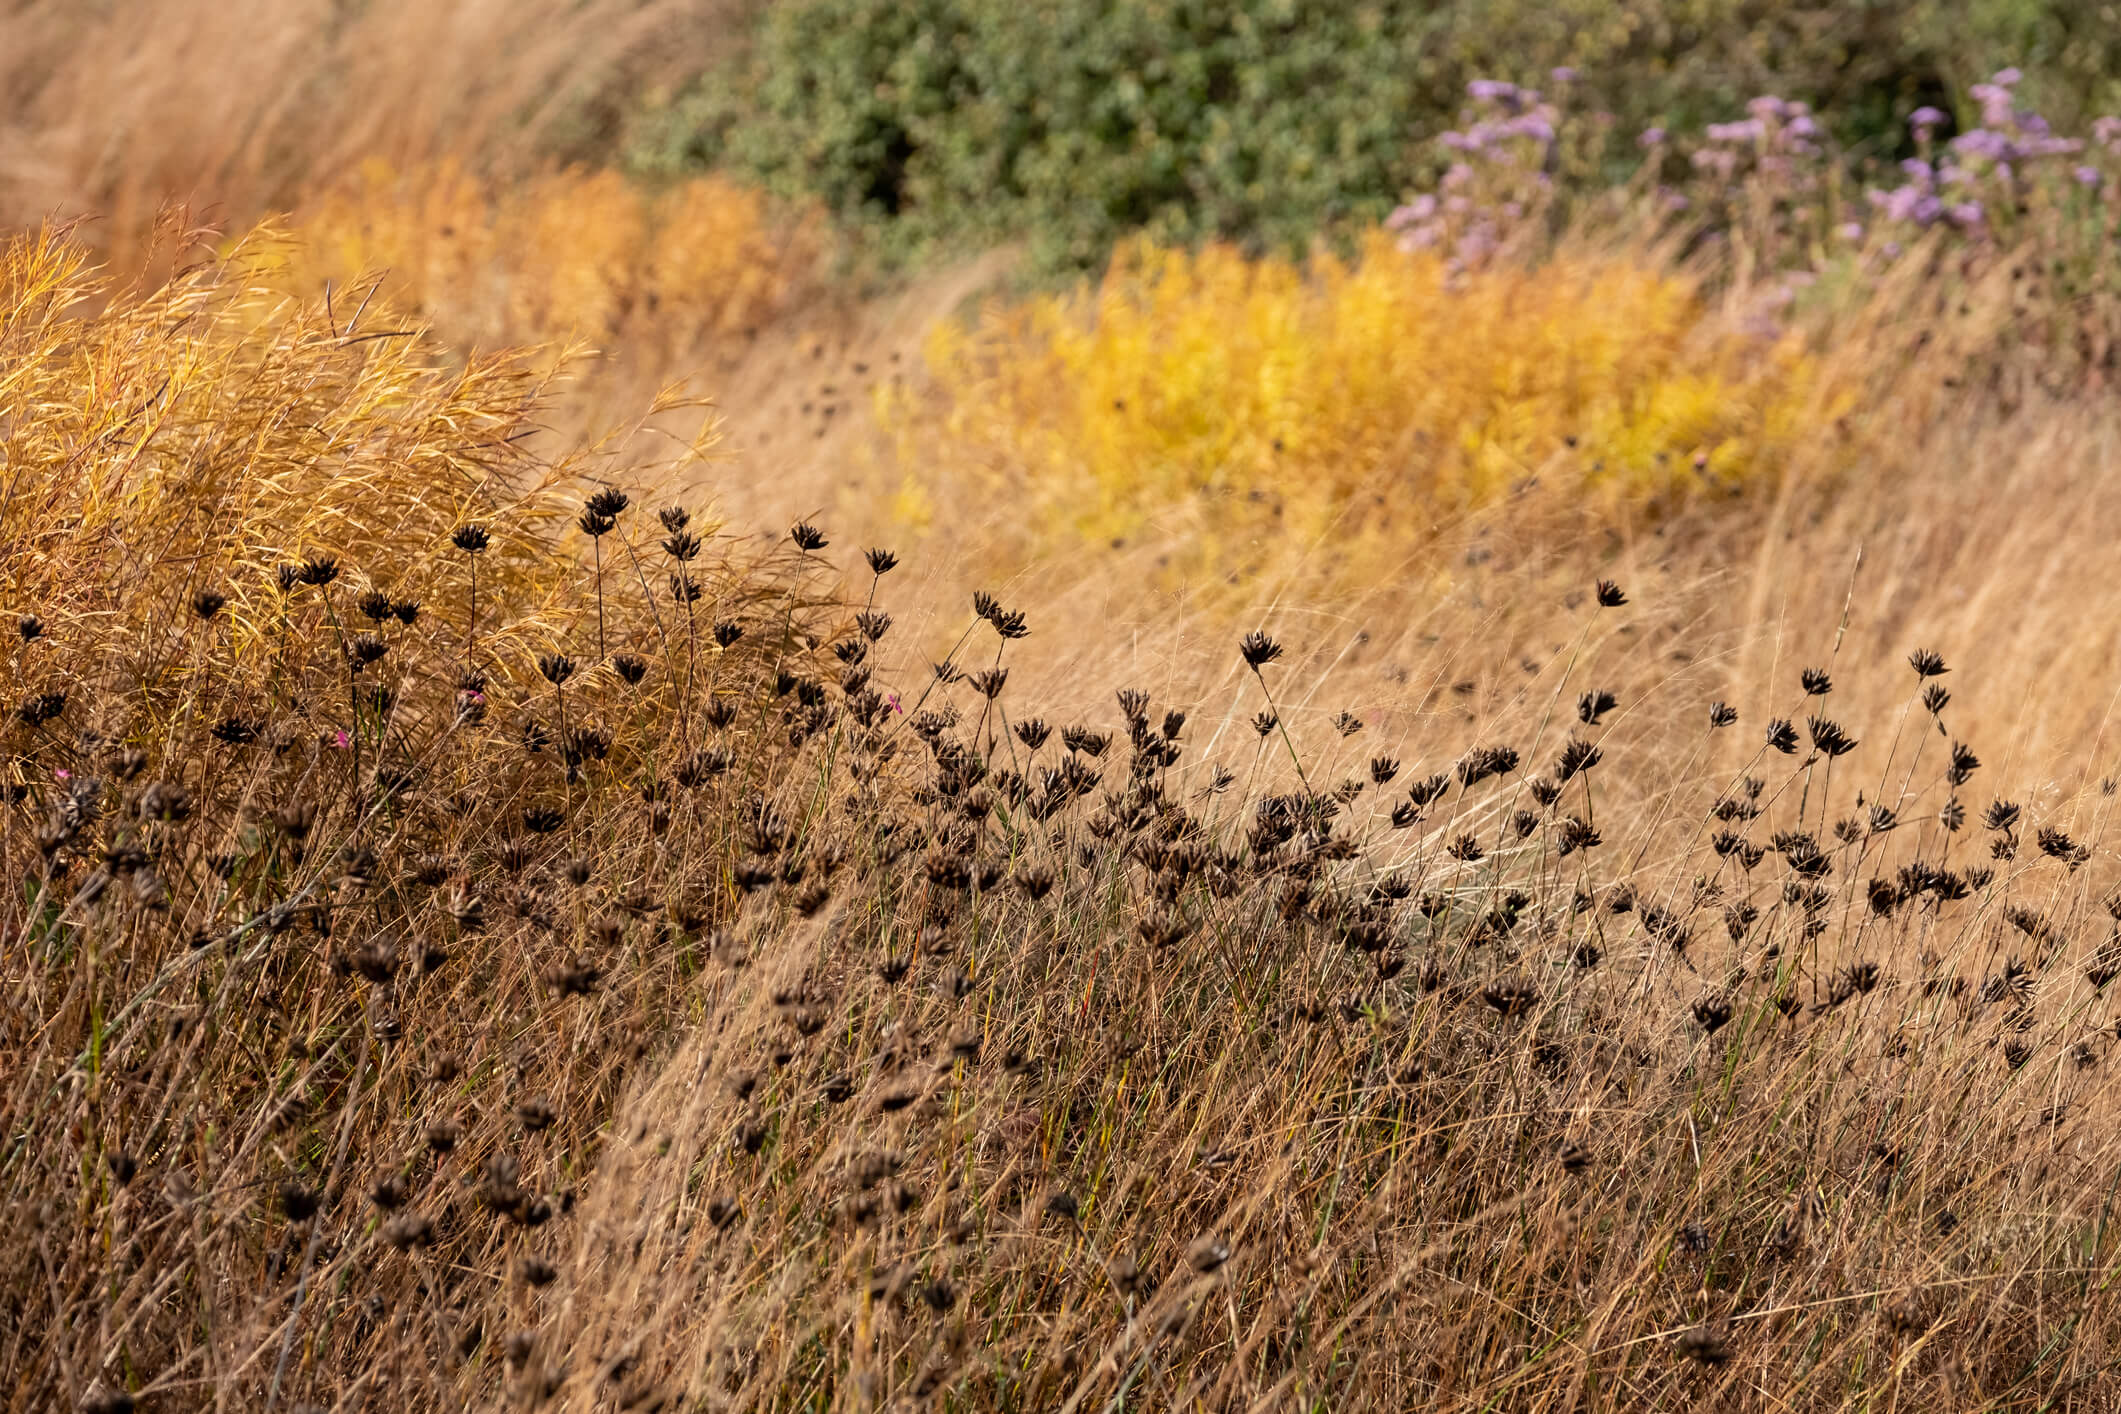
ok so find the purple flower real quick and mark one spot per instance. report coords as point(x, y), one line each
point(1851, 231)
point(2042, 145)
point(1925, 117)
point(2006, 77)
point(1563, 74)
point(1920, 170)
point(341, 740)
point(1767, 106)
point(2088, 175)
point(1995, 103)
point(1654, 137)
point(1908, 203)
point(1421, 208)
point(60, 773)
point(1803, 126)
point(1746, 130)
point(1966, 213)
point(1983, 142)
point(2107, 131)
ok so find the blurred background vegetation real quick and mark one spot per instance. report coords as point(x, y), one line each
point(1071, 123)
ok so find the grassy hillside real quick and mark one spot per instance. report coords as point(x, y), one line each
point(1511, 813)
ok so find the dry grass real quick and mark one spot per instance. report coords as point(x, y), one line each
point(244, 107)
point(744, 1014)
point(786, 1030)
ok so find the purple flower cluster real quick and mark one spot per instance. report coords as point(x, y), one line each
point(1982, 165)
point(1776, 137)
point(1513, 116)
point(1498, 170)
point(1769, 175)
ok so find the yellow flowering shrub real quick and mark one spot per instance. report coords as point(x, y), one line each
point(1226, 393)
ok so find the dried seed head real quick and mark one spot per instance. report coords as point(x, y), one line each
point(297, 1202)
point(1207, 1253)
point(208, 602)
point(1258, 650)
point(1609, 595)
point(1712, 1012)
point(1577, 755)
point(471, 539)
point(1703, 1346)
point(807, 537)
point(881, 562)
point(1722, 714)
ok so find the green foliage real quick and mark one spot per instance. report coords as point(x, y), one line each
point(1074, 121)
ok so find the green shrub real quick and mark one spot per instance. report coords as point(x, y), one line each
point(1074, 121)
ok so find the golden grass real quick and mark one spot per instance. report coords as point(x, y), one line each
point(563, 255)
point(204, 431)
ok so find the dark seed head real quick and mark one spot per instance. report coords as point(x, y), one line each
point(1703, 1346)
point(1258, 650)
point(299, 1203)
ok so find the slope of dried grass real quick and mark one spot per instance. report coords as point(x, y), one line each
point(742, 1013)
